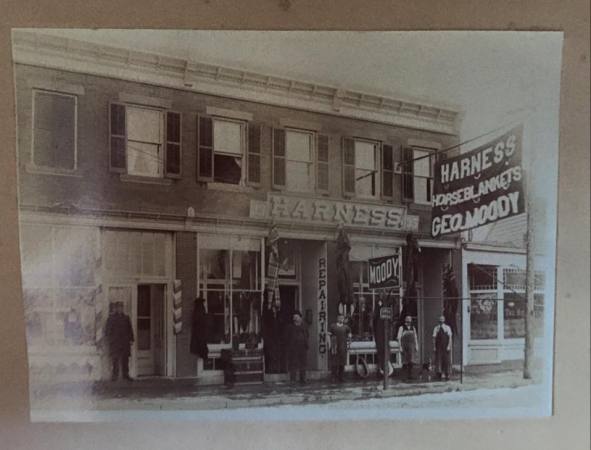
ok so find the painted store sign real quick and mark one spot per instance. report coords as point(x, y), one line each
point(479, 187)
point(326, 211)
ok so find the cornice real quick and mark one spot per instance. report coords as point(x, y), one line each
point(36, 49)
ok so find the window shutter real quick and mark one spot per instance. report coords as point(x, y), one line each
point(254, 154)
point(172, 155)
point(387, 172)
point(407, 174)
point(118, 138)
point(322, 164)
point(278, 158)
point(204, 149)
point(348, 167)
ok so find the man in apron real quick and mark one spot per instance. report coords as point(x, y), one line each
point(409, 345)
point(442, 335)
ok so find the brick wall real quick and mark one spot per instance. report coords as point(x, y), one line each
point(97, 187)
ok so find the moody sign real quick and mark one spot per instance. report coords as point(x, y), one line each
point(385, 271)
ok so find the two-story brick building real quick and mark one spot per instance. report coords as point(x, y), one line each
point(144, 177)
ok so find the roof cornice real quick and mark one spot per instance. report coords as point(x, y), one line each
point(37, 49)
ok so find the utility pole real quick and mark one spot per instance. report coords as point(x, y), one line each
point(530, 276)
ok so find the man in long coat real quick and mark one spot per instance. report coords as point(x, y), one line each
point(297, 348)
point(119, 334)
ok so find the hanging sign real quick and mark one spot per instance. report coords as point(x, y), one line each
point(385, 271)
point(479, 187)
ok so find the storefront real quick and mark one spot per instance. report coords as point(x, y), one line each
point(494, 305)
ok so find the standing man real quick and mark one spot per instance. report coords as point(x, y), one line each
point(409, 345)
point(119, 334)
point(297, 348)
point(339, 333)
point(442, 335)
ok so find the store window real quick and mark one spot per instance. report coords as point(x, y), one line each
point(417, 180)
point(515, 303)
point(230, 281)
point(299, 161)
point(366, 302)
point(54, 130)
point(59, 285)
point(493, 287)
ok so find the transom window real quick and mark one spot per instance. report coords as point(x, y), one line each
point(54, 130)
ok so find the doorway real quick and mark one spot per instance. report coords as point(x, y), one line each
point(150, 330)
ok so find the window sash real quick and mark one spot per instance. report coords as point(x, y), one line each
point(228, 137)
point(44, 129)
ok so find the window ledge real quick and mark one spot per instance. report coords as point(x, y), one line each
point(145, 180)
point(227, 187)
point(420, 206)
point(43, 170)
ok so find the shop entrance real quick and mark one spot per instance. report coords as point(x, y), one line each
point(149, 326)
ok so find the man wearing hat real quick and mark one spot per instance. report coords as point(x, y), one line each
point(119, 334)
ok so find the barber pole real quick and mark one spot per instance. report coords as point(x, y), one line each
point(177, 306)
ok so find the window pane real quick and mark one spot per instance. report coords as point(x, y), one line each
point(421, 167)
point(213, 264)
point(514, 308)
point(144, 159)
point(143, 334)
point(483, 316)
point(299, 177)
point(365, 157)
point(482, 277)
point(144, 125)
point(298, 146)
point(421, 189)
point(54, 130)
point(366, 183)
point(227, 137)
point(227, 169)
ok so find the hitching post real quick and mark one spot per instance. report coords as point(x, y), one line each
point(386, 351)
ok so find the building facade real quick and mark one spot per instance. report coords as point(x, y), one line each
point(152, 181)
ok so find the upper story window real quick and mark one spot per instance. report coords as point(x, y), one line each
point(417, 184)
point(54, 131)
point(368, 169)
point(145, 141)
point(228, 151)
point(300, 161)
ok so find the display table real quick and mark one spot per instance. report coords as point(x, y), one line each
point(243, 366)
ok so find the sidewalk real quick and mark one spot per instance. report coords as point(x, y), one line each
point(185, 395)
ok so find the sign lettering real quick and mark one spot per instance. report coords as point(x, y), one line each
point(385, 271)
point(301, 209)
point(322, 316)
point(479, 187)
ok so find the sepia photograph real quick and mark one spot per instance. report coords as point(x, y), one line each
point(287, 225)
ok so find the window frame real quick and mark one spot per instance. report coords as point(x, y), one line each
point(44, 168)
point(312, 165)
point(377, 170)
point(243, 149)
point(161, 146)
point(165, 177)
